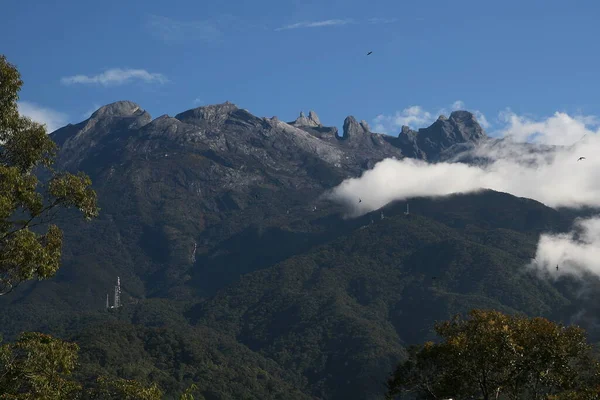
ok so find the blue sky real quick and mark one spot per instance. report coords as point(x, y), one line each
point(277, 57)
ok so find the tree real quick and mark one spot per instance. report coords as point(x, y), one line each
point(39, 367)
point(26, 204)
point(491, 355)
point(108, 388)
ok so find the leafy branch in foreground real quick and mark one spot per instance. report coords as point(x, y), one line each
point(25, 202)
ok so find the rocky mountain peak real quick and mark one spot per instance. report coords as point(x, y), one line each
point(353, 128)
point(460, 129)
point(312, 120)
point(461, 115)
point(211, 114)
point(118, 109)
point(405, 130)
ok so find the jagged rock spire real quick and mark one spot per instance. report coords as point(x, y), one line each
point(353, 128)
point(311, 120)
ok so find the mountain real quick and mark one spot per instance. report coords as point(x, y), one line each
point(237, 274)
point(451, 135)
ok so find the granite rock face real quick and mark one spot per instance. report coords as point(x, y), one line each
point(460, 130)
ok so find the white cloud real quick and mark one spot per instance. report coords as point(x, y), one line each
point(575, 252)
point(413, 116)
point(416, 117)
point(555, 178)
point(482, 119)
point(197, 101)
point(552, 175)
point(170, 30)
point(458, 105)
point(51, 118)
point(116, 76)
point(560, 129)
point(316, 24)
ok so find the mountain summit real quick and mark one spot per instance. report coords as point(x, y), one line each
point(429, 143)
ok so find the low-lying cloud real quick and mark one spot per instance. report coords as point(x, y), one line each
point(116, 76)
point(575, 253)
point(545, 169)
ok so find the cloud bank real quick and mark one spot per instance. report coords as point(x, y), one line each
point(545, 169)
point(43, 115)
point(116, 76)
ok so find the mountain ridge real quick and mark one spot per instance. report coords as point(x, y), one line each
point(461, 127)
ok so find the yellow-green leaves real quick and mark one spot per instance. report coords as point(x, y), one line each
point(37, 367)
point(10, 84)
point(74, 190)
point(27, 205)
point(123, 389)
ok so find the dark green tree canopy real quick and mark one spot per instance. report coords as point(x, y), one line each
point(25, 202)
point(491, 355)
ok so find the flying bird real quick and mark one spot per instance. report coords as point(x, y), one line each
point(581, 158)
point(369, 53)
point(359, 200)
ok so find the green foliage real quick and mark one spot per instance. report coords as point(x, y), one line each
point(189, 393)
point(495, 355)
point(122, 389)
point(25, 202)
point(175, 356)
point(40, 367)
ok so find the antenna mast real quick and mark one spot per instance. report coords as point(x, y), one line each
point(118, 293)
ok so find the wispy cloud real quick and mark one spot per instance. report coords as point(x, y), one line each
point(316, 24)
point(377, 21)
point(197, 101)
point(43, 115)
point(89, 112)
point(116, 76)
point(417, 117)
point(458, 105)
point(171, 30)
point(336, 22)
point(413, 116)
